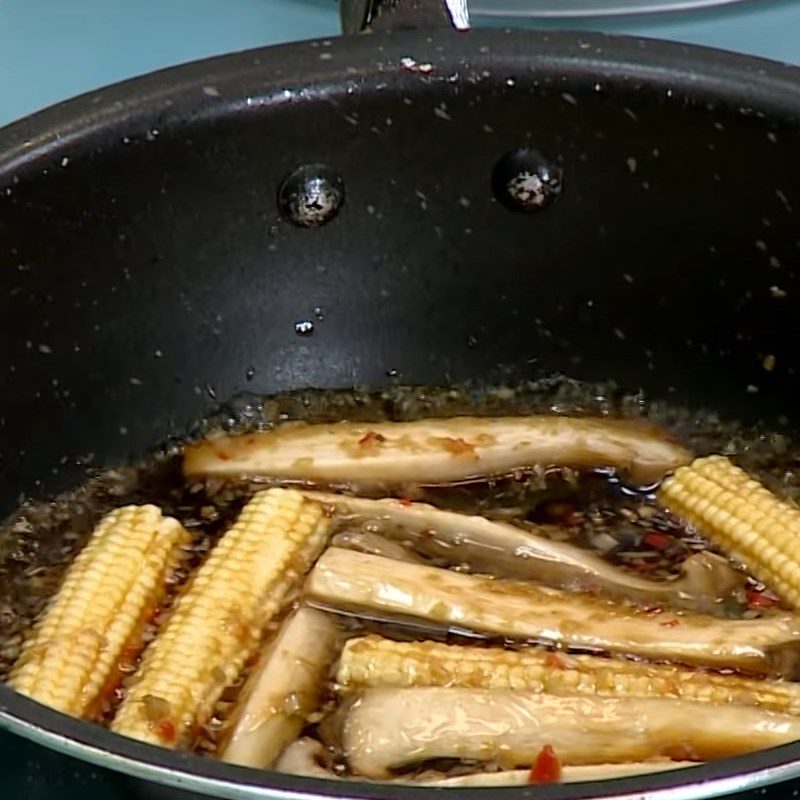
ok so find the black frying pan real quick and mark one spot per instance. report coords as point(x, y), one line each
point(151, 256)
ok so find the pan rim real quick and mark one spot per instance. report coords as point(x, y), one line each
point(154, 94)
point(161, 98)
point(189, 772)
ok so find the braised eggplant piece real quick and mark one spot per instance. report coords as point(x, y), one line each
point(308, 757)
point(284, 689)
point(387, 729)
point(350, 581)
point(505, 550)
point(374, 544)
point(567, 774)
point(610, 606)
point(430, 451)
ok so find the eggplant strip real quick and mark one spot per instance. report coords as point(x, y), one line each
point(307, 757)
point(351, 581)
point(507, 551)
point(387, 729)
point(374, 662)
point(433, 451)
point(283, 690)
point(569, 774)
point(374, 544)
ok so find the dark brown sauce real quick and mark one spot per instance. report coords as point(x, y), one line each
point(592, 510)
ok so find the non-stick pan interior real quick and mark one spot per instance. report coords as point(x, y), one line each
point(148, 273)
point(146, 268)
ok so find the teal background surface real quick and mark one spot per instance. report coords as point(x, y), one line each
point(53, 49)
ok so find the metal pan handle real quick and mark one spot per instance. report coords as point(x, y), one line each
point(359, 16)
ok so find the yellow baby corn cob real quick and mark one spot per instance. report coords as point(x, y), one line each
point(216, 625)
point(374, 662)
point(71, 662)
point(741, 516)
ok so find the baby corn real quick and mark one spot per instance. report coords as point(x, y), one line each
point(72, 660)
point(374, 662)
point(741, 516)
point(217, 624)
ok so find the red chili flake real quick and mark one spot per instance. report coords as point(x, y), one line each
point(428, 533)
point(165, 729)
point(131, 649)
point(763, 599)
point(546, 768)
point(564, 514)
point(150, 614)
point(555, 660)
point(656, 540)
point(371, 440)
point(560, 660)
point(458, 446)
point(251, 661)
point(404, 501)
point(670, 623)
point(222, 455)
point(592, 588)
point(682, 751)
